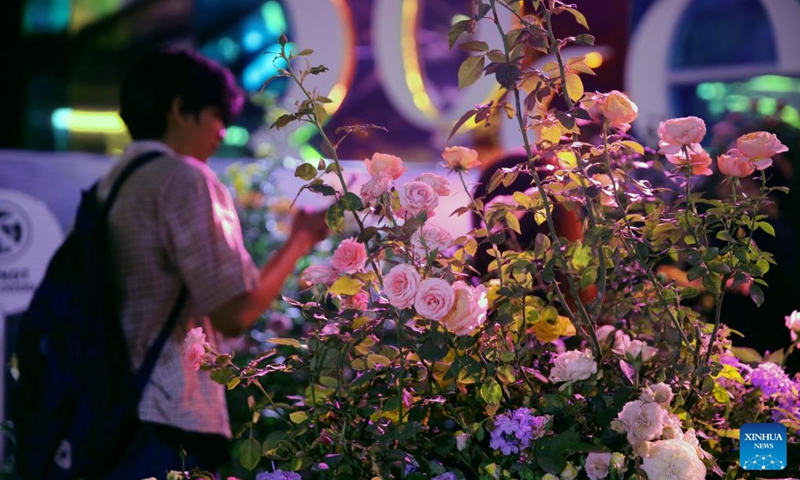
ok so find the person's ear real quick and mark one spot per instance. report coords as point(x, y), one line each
point(174, 115)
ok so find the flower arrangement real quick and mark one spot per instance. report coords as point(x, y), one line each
point(575, 359)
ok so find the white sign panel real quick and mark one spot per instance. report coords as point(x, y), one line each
point(29, 235)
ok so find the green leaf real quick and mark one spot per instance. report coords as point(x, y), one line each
point(581, 257)
point(334, 217)
point(250, 453)
point(289, 342)
point(635, 146)
point(283, 120)
point(351, 202)
point(513, 222)
point(346, 286)
point(756, 294)
point(767, 228)
point(491, 392)
point(584, 39)
point(747, 355)
point(588, 277)
point(305, 52)
point(470, 71)
point(579, 17)
point(298, 417)
point(305, 171)
point(474, 46)
point(456, 31)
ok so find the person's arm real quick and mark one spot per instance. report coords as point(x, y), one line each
point(235, 316)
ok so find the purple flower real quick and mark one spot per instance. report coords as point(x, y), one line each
point(771, 379)
point(445, 476)
point(516, 430)
point(278, 475)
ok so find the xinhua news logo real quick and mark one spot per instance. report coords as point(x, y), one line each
point(762, 446)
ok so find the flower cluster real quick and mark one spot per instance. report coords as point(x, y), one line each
point(514, 431)
point(278, 475)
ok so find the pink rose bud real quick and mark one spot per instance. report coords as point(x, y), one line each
point(678, 132)
point(349, 257)
point(401, 284)
point(434, 298)
point(793, 324)
point(460, 158)
point(417, 197)
point(760, 147)
point(385, 163)
point(735, 164)
point(320, 274)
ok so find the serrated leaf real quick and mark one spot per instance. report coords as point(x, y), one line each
point(574, 86)
point(584, 39)
point(474, 46)
point(283, 120)
point(305, 171)
point(767, 228)
point(346, 286)
point(250, 453)
point(334, 217)
point(491, 392)
point(470, 71)
point(455, 31)
point(374, 359)
point(635, 146)
point(289, 342)
point(513, 222)
point(524, 201)
point(351, 202)
point(579, 17)
point(298, 417)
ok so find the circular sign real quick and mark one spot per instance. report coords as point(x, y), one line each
point(29, 235)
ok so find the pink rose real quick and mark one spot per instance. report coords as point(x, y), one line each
point(619, 110)
point(359, 301)
point(593, 104)
point(194, 349)
point(439, 183)
point(735, 164)
point(606, 196)
point(698, 160)
point(401, 284)
point(375, 187)
point(469, 309)
point(572, 365)
point(642, 421)
point(793, 324)
point(434, 298)
point(385, 163)
point(677, 132)
point(432, 237)
point(320, 274)
point(417, 197)
point(350, 256)
point(760, 147)
point(597, 465)
point(460, 158)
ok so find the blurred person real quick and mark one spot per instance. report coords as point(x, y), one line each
point(172, 226)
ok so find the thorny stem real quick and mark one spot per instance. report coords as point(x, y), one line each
point(334, 157)
point(585, 322)
point(631, 250)
point(478, 211)
point(556, 50)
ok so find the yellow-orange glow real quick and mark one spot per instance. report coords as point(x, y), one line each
point(593, 59)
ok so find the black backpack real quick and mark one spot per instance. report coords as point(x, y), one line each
point(74, 407)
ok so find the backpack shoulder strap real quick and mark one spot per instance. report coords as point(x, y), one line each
point(124, 175)
point(146, 369)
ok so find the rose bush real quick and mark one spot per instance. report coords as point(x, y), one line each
point(575, 359)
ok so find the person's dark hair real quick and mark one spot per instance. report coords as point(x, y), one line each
point(161, 76)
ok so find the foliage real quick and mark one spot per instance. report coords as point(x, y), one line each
point(577, 358)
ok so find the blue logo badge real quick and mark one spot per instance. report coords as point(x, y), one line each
point(762, 446)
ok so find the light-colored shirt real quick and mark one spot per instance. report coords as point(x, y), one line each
point(174, 224)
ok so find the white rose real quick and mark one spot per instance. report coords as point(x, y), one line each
point(597, 465)
point(673, 460)
point(573, 365)
point(569, 472)
point(469, 309)
point(659, 393)
point(642, 420)
point(793, 324)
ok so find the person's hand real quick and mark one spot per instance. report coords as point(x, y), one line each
point(308, 228)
